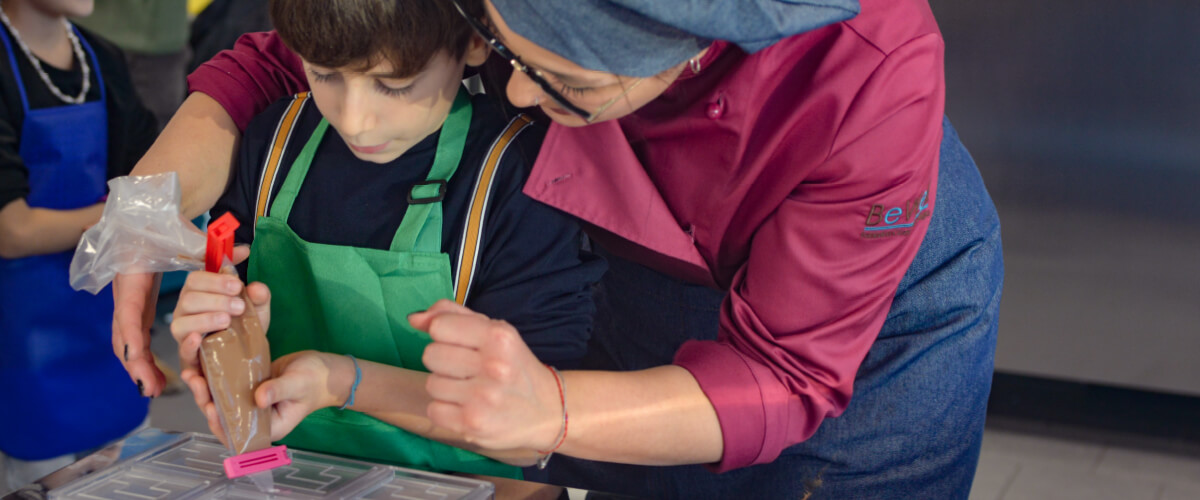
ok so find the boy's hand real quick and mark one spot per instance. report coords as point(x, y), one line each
point(301, 383)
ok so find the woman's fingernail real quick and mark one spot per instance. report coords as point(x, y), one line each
point(231, 285)
point(141, 388)
point(237, 306)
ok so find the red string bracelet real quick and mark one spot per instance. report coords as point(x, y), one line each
point(562, 398)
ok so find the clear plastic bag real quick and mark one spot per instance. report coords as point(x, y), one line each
point(141, 231)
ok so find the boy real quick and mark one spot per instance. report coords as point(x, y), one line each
point(385, 189)
point(69, 120)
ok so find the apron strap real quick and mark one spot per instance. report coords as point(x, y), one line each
point(421, 229)
point(282, 207)
point(283, 135)
point(472, 235)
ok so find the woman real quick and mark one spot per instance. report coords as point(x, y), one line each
point(788, 219)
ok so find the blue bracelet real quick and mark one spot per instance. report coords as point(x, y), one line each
point(354, 387)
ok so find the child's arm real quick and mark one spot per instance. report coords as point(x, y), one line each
point(26, 231)
point(307, 381)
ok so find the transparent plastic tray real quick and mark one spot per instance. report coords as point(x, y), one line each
point(190, 468)
point(417, 485)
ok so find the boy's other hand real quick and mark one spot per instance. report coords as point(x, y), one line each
point(301, 383)
point(134, 297)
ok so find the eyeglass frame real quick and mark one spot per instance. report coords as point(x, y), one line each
point(535, 75)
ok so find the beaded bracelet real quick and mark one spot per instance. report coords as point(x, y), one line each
point(354, 386)
point(544, 456)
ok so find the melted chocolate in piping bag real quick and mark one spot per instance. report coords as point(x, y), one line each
point(236, 360)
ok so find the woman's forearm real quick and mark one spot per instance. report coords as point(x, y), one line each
point(657, 416)
point(199, 143)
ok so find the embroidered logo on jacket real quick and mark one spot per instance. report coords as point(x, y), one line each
point(885, 221)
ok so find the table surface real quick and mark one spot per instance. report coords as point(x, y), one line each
point(151, 438)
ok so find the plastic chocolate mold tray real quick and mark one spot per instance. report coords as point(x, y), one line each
point(189, 468)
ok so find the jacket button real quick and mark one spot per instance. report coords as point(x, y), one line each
point(716, 108)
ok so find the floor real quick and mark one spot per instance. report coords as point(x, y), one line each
point(1019, 466)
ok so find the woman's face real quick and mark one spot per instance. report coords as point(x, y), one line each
point(587, 89)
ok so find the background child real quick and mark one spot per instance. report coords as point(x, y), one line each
point(69, 120)
point(387, 189)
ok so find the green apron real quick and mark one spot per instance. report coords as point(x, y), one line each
point(350, 300)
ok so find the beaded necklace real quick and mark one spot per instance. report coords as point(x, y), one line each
point(37, 63)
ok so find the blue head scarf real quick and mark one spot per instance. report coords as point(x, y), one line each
point(645, 37)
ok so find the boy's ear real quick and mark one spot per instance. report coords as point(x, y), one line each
point(477, 51)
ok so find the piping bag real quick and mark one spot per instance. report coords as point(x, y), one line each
point(142, 231)
point(236, 361)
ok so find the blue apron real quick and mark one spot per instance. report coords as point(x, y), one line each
point(61, 388)
point(915, 423)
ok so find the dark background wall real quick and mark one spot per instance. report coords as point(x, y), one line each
point(1084, 117)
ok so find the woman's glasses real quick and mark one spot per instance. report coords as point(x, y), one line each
point(535, 75)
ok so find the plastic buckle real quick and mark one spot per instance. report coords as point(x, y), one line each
point(220, 242)
point(441, 193)
point(256, 461)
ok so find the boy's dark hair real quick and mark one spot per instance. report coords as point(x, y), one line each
point(357, 34)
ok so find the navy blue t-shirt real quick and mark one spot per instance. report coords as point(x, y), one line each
point(532, 271)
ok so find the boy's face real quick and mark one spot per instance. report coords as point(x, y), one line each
point(381, 116)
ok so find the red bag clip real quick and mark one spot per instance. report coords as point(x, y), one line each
point(220, 242)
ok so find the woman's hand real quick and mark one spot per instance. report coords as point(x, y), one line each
point(301, 383)
point(485, 382)
point(134, 297)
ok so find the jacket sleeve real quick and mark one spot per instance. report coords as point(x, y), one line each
point(247, 78)
point(822, 270)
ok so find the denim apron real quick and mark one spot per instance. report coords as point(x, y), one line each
point(350, 300)
point(915, 422)
point(63, 391)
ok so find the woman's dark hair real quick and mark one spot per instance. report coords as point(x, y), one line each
point(357, 34)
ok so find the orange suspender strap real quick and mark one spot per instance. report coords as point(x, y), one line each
point(468, 251)
point(283, 136)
